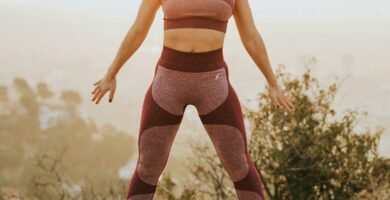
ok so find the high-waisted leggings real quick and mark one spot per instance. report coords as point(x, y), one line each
point(200, 79)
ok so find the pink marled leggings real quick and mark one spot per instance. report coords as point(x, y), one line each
point(200, 79)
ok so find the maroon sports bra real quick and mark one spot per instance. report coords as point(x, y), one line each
point(209, 14)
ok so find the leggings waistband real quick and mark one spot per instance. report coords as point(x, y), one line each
point(191, 61)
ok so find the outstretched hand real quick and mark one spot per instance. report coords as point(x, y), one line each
point(102, 87)
point(279, 98)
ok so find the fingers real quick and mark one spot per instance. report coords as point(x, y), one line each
point(97, 82)
point(285, 104)
point(280, 100)
point(102, 88)
point(275, 101)
point(96, 88)
point(102, 93)
point(99, 93)
point(96, 93)
point(111, 96)
point(289, 102)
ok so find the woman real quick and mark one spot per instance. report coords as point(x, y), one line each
point(191, 70)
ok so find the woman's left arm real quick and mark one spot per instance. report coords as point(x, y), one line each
point(254, 45)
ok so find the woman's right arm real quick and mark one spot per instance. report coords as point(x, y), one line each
point(134, 38)
point(135, 35)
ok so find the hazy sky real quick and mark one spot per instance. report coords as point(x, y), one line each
point(69, 44)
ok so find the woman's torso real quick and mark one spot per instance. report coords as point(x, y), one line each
point(196, 39)
point(193, 40)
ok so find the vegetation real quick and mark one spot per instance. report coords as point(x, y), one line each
point(36, 127)
point(312, 153)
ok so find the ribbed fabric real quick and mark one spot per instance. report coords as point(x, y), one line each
point(209, 14)
point(191, 61)
point(196, 22)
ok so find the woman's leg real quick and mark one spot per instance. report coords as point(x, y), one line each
point(156, 134)
point(225, 126)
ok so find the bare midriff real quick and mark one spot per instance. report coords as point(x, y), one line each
point(193, 39)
